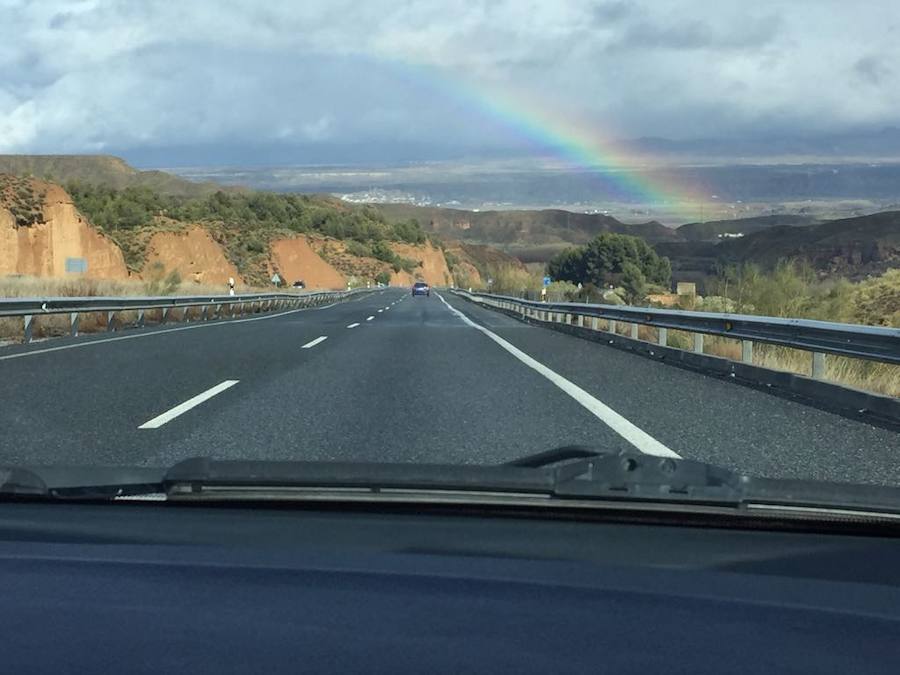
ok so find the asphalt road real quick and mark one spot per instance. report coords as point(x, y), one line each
point(390, 377)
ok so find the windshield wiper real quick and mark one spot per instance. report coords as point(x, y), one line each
point(555, 477)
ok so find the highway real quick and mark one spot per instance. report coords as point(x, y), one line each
point(390, 377)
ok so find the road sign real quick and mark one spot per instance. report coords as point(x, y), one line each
point(547, 281)
point(276, 279)
point(76, 265)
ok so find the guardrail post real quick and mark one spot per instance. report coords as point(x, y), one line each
point(73, 324)
point(241, 309)
point(634, 332)
point(164, 315)
point(818, 365)
point(140, 318)
point(747, 351)
point(204, 313)
point(110, 321)
point(579, 321)
point(612, 326)
point(568, 319)
point(698, 343)
point(595, 323)
point(28, 322)
point(663, 337)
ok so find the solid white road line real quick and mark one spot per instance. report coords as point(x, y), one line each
point(182, 408)
point(369, 318)
point(353, 325)
point(631, 433)
point(313, 343)
point(195, 326)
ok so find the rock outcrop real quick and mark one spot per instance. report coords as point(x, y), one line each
point(63, 241)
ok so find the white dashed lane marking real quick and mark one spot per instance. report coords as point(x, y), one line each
point(313, 343)
point(182, 408)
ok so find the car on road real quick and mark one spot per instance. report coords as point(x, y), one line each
point(421, 288)
point(299, 284)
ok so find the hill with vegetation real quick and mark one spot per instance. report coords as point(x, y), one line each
point(712, 230)
point(243, 223)
point(105, 170)
point(851, 247)
point(528, 235)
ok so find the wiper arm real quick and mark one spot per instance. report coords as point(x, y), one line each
point(635, 475)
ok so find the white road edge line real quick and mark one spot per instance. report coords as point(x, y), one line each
point(182, 408)
point(313, 343)
point(369, 318)
point(631, 433)
point(353, 325)
point(151, 333)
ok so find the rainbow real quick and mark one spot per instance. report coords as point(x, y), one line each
point(574, 143)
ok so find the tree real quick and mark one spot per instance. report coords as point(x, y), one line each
point(603, 260)
point(634, 282)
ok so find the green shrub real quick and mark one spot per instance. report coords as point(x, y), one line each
point(358, 249)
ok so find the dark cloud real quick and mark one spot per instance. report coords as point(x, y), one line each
point(610, 12)
point(748, 33)
point(872, 70)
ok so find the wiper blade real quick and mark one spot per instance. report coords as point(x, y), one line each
point(554, 456)
point(566, 474)
point(202, 473)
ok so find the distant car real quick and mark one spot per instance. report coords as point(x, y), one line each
point(421, 288)
point(299, 284)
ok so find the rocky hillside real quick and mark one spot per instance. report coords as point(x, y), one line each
point(40, 230)
point(44, 233)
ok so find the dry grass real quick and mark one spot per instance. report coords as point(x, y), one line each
point(54, 325)
point(880, 378)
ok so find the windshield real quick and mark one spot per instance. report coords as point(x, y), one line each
point(434, 232)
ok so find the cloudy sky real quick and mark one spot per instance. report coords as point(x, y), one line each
point(225, 81)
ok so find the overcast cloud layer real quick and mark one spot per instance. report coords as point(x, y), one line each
point(221, 80)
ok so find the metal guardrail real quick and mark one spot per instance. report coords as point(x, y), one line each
point(818, 337)
point(233, 305)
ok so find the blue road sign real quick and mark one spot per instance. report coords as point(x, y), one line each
point(547, 281)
